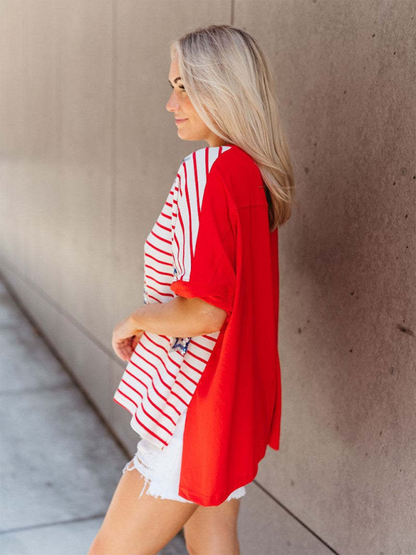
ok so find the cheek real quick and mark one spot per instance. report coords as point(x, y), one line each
point(192, 113)
point(190, 110)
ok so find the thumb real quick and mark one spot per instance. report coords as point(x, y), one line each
point(136, 340)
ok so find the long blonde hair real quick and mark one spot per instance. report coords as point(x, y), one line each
point(230, 84)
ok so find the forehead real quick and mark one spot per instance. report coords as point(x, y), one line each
point(174, 70)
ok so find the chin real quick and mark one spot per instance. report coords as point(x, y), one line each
point(185, 137)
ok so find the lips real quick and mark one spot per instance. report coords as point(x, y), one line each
point(178, 120)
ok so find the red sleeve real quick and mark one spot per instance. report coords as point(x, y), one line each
point(203, 241)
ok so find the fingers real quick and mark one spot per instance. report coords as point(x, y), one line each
point(123, 349)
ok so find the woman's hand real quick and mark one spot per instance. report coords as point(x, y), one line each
point(125, 339)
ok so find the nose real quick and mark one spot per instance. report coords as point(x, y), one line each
point(172, 104)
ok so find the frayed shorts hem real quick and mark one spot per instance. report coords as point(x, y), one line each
point(161, 469)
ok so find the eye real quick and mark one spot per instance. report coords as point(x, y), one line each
point(180, 86)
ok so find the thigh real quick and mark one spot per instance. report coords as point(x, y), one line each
point(213, 530)
point(139, 526)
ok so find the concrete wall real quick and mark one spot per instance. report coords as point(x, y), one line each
point(88, 153)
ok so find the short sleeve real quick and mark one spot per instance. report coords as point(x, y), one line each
point(203, 240)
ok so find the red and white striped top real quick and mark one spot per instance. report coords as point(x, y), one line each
point(163, 372)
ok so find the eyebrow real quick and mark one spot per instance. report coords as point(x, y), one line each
point(177, 79)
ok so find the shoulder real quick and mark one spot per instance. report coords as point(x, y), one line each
point(228, 168)
point(202, 165)
point(222, 163)
point(219, 158)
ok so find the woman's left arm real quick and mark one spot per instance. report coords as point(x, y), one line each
point(180, 317)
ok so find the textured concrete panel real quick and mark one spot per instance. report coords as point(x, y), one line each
point(28, 138)
point(266, 528)
point(84, 262)
point(347, 89)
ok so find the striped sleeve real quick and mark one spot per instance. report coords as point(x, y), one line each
point(203, 241)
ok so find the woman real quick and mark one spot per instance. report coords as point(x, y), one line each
point(203, 348)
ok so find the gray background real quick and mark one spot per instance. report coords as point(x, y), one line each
point(88, 153)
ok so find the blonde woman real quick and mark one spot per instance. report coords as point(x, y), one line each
point(202, 383)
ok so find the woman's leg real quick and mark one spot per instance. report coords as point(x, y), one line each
point(213, 530)
point(134, 526)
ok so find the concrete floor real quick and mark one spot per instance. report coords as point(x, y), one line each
point(54, 486)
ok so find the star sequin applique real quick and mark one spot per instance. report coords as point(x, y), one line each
point(180, 344)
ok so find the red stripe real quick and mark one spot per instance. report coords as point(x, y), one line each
point(141, 423)
point(133, 388)
point(178, 261)
point(150, 401)
point(177, 364)
point(168, 241)
point(138, 368)
point(162, 412)
point(157, 249)
point(181, 261)
point(214, 339)
point(159, 335)
point(196, 356)
point(160, 292)
point(159, 358)
point(206, 164)
point(156, 368)
point(179, 397)
point(151, 364)
point(165, 352)
point(202, 346)
point(157, 271)
point(154, 298)
point(155, 421)
point(193, 367)
point(155, 390)
point(174, 234)
point(187, 377)
point(166, 284)
point(157, 260)
point(184, 388)
point(127, 397)
point(197, 184)
point(189, 230)
point(150, 431)
point(163, 226)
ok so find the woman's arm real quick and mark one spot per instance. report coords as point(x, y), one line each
point(179, 317)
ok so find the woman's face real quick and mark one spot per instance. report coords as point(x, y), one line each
point(190, 125)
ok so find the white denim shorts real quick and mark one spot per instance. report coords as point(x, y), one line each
point(161, 468)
